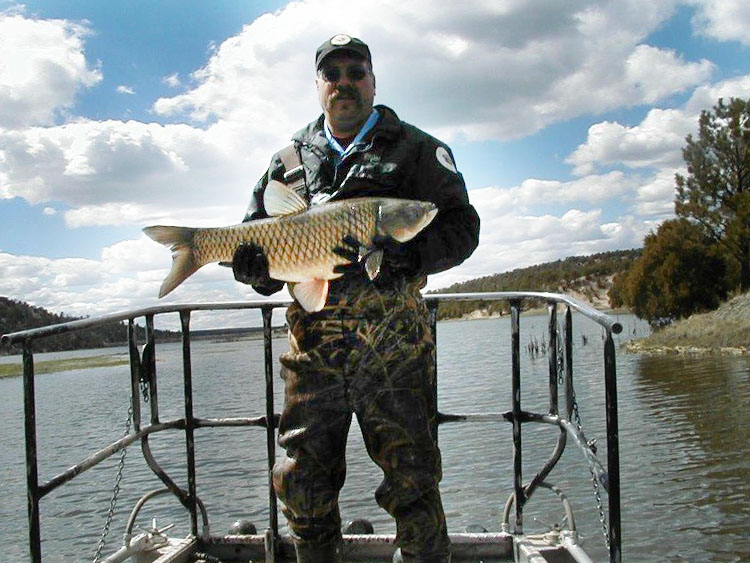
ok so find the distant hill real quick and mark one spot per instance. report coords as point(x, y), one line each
point(585, 277)
point(17, 315)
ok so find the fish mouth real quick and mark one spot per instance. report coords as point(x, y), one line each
point(430, 215)
point(404, 221)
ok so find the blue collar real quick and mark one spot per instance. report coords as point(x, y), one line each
point(343, 152)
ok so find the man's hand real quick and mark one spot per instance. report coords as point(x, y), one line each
point(250, 265)
point(397, 258)
point(350, 250)
point(400, 259)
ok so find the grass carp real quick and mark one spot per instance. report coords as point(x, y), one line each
point(298, 240)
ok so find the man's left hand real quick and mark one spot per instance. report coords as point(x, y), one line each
point(398, 260)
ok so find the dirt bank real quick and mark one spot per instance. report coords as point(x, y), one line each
point(726, 330)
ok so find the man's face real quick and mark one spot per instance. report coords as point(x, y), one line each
point(346, 90)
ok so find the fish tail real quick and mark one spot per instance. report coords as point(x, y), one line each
point(184, 260)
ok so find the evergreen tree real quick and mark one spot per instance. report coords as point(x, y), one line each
point(679, 273)
point(715, 194)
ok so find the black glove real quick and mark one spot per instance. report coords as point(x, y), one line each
point(250, 266)
point(350, 250)
point(399, 259)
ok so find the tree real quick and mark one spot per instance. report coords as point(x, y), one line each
point(679, 273)
point(617, 293)
point(715, 194)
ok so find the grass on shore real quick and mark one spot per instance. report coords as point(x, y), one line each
point(701, 333)
point(51, 366)
point(725, 329)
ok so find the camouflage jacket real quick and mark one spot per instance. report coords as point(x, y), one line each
point(395, 160)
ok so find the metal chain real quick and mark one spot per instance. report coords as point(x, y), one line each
point(145, 390)
point(144, 376)
point(591, 444)
point(560, 360)
point(115, 491)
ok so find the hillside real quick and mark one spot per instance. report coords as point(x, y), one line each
point(587, 278)
point(17, 315)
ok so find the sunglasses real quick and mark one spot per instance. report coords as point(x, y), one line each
point(353, 73)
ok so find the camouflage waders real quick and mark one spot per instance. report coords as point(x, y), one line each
point(369, 351)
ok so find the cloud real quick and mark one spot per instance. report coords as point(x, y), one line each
point(534, 192)
point(126, 277)
point(658, 140)
point(655, 197)
point(113, 172)
point(173, 80)
point(658, 73)
point(705, 96)
point(122, 89)
point(651, 151)
point(724, 20)
point(500, 85)
point(43, 68)
point(510, 241)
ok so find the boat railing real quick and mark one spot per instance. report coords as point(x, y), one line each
point(143, 382)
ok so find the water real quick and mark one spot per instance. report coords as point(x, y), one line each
point(685, 476)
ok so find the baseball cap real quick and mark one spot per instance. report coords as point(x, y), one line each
point(342, 42)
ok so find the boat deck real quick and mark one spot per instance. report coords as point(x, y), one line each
point(476, 547)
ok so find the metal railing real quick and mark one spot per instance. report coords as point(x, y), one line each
point(143, 380)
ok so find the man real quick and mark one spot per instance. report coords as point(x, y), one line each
point(370, 350)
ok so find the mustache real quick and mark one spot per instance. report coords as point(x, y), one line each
point(345, 92)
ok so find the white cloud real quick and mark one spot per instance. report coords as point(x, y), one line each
point(509, 241)
point(536, 69)
point(724, 20)
point(113, 172)
point(534, 192)
point(43, 67)
point(655, 198)
point(122, 89)
point(705, 96)
point(49, 211)
point(257, 88)
point(658, 73)
point(173, 80)
point(127, 276)
point(658, 140)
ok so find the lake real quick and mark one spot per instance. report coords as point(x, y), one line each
point(683, 445)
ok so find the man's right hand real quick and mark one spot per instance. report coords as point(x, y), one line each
point(250, 265)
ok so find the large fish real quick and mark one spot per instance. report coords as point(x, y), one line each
point(297, 240)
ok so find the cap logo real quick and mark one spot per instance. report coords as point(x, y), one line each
point(341, 39)
point(445, 159)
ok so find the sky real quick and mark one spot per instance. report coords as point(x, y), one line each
point(565, 117)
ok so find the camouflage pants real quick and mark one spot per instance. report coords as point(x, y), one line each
point(370, 354)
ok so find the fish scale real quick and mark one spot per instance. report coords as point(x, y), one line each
point(298, 244)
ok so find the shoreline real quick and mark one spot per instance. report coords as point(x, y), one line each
point(68, 364)
point(724, 331)
point(638, 347)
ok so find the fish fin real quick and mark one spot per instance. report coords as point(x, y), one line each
point(372, 264)
point(280, 199)
point(311, 294)
point(180, 241)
